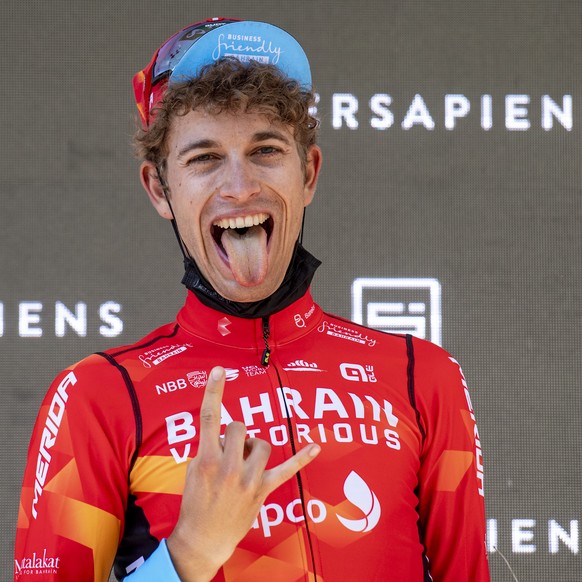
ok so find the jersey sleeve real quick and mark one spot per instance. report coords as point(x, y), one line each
point(451, 494)
point(75, 485)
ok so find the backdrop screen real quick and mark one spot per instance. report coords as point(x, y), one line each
point(449, 207)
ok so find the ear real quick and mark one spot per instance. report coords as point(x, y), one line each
point(312, 168)
point(151, 182)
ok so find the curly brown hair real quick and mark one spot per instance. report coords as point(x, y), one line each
point(231, 86)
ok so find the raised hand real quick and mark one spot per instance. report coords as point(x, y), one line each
point(226, 484)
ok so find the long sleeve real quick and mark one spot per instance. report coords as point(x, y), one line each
point(75, 485)
point(452, 511)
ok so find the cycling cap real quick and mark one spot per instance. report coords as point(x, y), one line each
point(183, 55)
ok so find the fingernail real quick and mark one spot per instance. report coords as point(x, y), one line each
point(315, 450)
point(216, 373)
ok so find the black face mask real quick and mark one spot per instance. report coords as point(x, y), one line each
point(295, 283)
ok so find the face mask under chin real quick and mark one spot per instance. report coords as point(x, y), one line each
point(295, 284)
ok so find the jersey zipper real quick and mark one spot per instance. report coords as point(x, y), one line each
point(265, 360)
point(266, 334)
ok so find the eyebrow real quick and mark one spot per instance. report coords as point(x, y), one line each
point(273, 134)
point(210, 143)
point(197, 145)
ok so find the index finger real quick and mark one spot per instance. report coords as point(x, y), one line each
point(210, 411)
point(276, 476)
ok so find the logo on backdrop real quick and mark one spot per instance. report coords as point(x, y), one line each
point(530, 536)
point(34, 319)
point(399, 306)
point(521, 112)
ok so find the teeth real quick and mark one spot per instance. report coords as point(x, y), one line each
point(242, 221)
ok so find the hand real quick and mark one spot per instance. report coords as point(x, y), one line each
point(226, 484)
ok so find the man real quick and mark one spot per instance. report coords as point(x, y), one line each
point(346, 453)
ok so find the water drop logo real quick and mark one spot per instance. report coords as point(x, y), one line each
point(357, 492)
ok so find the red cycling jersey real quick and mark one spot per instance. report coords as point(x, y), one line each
point(396, 493)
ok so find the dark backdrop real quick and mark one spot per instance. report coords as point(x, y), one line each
point(451, 139)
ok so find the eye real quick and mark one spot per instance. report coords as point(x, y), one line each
point(268, 150)
point(201, 159)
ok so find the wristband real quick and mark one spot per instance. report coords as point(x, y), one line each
point(157, 567)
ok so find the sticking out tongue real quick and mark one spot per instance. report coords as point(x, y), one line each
point(247, 254)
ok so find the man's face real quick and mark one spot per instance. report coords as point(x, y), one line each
point(238, 189)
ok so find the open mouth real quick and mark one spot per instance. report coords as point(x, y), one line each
point(241, 225)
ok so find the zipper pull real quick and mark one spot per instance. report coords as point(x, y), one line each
point(267, 351)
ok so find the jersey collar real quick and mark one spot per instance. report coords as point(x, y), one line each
point(218, 327)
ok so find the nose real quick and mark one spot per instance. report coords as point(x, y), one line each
point(239, 181)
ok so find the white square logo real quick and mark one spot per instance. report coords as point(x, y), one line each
point(399, 306)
